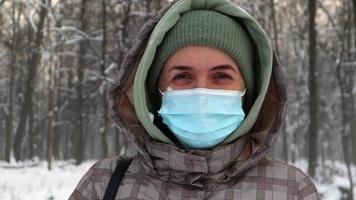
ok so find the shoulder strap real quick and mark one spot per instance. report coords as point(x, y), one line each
point(115, 179)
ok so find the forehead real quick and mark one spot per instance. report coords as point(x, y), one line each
point(199, 56)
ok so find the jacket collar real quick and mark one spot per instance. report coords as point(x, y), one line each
point(198, 166)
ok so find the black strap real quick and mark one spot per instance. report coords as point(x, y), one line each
point(115, 179)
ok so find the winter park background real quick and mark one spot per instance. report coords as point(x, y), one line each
point(58, 60)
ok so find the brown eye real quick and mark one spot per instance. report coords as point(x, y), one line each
point(222, 76)
point(181, 76)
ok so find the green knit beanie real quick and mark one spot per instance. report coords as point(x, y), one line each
point(210, 28)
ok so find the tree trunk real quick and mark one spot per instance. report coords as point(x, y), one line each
point(354, 20)
point(70, 115)
point(9, 117)
point(51, 107)
point(275, 31)
point(345, 137)
point(313, 91)
point(50, 121)
point(79, 147)
point(59, 138)
point(30, 84)
point(345, 77)
point(353, 115)
point(32, 134)
point(104, 128)
point(56, 137)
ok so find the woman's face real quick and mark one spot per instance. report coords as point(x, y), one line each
point(201, 67)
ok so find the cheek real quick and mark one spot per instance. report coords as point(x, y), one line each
point(236, 85)
point(239, 82)
point(163, 81)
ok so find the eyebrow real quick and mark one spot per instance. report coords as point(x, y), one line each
point(180, 67)
point(224, 67)
point(219, 67)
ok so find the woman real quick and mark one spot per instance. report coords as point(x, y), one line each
point(202, 99)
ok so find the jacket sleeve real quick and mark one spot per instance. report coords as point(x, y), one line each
point(93, 184)
point(306, 188)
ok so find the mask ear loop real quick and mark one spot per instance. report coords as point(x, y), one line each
point(243, 93)
point(162, 93)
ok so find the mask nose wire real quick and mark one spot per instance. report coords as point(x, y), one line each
point(243, 93)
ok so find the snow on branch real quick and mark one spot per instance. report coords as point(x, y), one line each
point(73, 40)
point(30, 17)
point(138, 14)
point(34, 6)
point(111, 68)
point(70, 28)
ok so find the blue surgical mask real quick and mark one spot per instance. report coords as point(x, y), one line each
point(202, 118)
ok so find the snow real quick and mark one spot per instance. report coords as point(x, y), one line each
point(329, 192)
point(111, 68)
point(32, 23)
point(74, 40)
point(32, 180)
point(330, 188)
point(70, 29)
point(139, 14)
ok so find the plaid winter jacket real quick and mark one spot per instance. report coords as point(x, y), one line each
point(163, 170)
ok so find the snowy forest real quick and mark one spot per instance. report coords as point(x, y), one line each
point(59, 58)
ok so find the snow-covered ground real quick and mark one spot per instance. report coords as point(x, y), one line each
point(32, 180)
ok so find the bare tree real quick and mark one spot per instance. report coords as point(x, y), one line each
point(275, 31)
point(313, 90)
point(51, 103)
point(9, 118)
point(350, 89)
point(79, 142)
point(104, 128)
point(34, 61)
point(344, 75)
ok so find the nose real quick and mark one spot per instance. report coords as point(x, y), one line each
point(202, 82)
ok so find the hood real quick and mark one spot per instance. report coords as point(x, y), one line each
point(131, 114)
